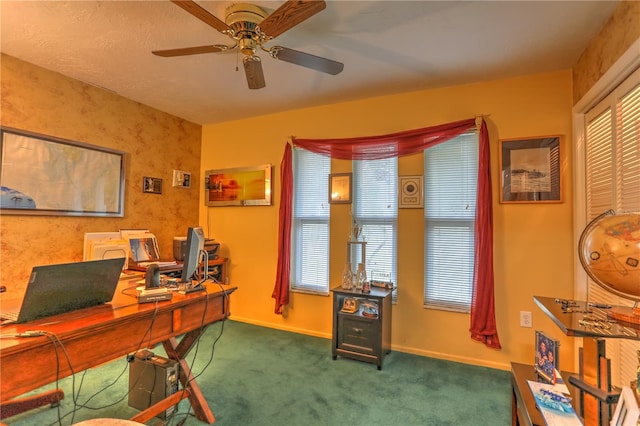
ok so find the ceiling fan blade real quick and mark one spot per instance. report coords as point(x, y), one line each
point(203, 15)
point(307, 60)
point(289, 15)
point(253, 71)
point(189, 51)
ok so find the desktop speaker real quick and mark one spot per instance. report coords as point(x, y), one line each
point(151, 379)
point(179, 248)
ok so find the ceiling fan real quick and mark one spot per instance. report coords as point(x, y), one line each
point(251, 28)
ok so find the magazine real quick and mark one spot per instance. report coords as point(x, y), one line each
point(554, 404)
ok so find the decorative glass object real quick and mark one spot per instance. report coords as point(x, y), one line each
point(361, 277)
point(366, 286)
point(356, 230)
point(347, 277)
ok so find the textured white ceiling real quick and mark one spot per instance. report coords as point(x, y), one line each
point(386, 46)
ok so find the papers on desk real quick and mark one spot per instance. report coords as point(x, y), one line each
point(554, 404)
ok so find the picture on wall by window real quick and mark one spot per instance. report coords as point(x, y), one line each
point(240, 186)
point(530, 170)
point(340, 188)
point(410, 195)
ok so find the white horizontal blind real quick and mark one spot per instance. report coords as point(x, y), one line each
point(450, 181)
point(310, 227)
point(375, 207)
point(613, 182)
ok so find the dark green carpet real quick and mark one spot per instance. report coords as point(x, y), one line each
point(262, 376)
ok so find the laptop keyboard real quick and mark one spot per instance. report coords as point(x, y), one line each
point(11, 316)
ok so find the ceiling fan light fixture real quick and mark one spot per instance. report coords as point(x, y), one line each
point(247, 44)
point(253, 71)
point(244, 13)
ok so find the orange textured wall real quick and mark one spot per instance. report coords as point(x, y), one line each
point(155, 143)
point(617, 35)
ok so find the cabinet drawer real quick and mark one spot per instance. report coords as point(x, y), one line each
point(357, 334)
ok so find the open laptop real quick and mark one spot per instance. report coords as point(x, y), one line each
point(55, 289)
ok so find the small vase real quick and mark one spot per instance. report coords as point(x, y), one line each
point(361, 277)
point(347, 277)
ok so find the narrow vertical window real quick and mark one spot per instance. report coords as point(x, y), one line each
point(450, 186)
point(310, 227)
point(375, 208)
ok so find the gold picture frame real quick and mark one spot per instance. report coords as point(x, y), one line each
point(531, 170)
point(340, 188)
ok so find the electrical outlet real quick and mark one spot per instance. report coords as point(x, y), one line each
point(525, 319)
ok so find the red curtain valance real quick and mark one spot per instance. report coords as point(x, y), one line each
point(385, 146)
point(483, 325)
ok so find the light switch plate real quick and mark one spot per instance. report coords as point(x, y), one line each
point(181, 179)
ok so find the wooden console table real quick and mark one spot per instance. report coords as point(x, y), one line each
point(103, 333)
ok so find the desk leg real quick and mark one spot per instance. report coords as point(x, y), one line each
point(514, 407)
point(178, 351)
point(20, 405)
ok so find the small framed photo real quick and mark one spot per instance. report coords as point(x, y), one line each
point(410, 195)
point(530, 170)
point(181, 179)
point(151, 185)
point(350, 305)
point(547, 360)
point(340, 188)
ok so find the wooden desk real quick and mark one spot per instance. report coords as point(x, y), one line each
point(524, 411)
point(103, 333)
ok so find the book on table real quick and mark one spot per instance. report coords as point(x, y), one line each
point(554, 403)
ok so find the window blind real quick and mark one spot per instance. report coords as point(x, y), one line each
point(613, 182)
point(310, 225)
point(375, 207)
point(450, 181)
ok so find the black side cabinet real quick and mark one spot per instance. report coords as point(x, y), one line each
point(362, 324)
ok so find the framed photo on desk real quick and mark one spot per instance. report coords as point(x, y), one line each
point(546, 359)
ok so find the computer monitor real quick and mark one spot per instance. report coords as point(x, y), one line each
point(192, 255)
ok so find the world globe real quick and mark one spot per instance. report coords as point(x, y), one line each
point(609, 251)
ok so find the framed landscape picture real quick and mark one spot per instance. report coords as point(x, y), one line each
point(530, 170)
point(240, 186)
